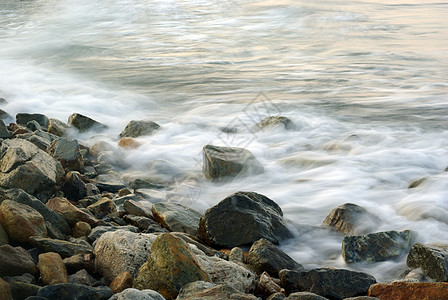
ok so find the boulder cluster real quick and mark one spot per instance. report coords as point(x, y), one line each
point(70, 230)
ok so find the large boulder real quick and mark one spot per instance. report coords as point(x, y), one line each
point(63, 248)
point(67, 152)
point(351, 219)
point(176, 217)
point(432, 259)
point(120, 251)
point(23, 165)
point(376, 247)
point(74, 291)
point(24, 118)
point(84, 123)
point(224, 163)
point(139, 128)
point(241, 219)
point(70, 212)
point(409, 290)
point(15, 261)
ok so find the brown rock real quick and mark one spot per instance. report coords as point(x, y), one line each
point(102, 208)
point(52, 268)
point(78, 262)
point(81, 229)
point(121, 282)
point(21, 221)
point(351, 219)
point(129, 143)
point(410, 291)
point(267, 286)
point(70, 212)
point(5, 291)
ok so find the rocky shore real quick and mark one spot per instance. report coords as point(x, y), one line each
point(70, 228)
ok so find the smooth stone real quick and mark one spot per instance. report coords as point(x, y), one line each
point(33, 125)
point(139, 128)
point(102, 208)
point(81, 229)
point(137, 209)
point(121, 282)
point(52, 269)
point(63, 248)
point(24, 118)
point(409, 291)
point(129, 143)
point(176, 217)
point(431, 258)
point(84, 123)
point(134, 294)
point(67, 152)
point(15, 261)
point(73, 291)
point(70, 212)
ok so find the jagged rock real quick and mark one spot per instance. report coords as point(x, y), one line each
point(122, 282)
point(139, 128)
point(4, 133)
point(57, 127)
point(137, 209)
point(83, 123)
point(326, 282)
point(432, 259)
point(100, 230)
point(73, 291)
point(266, 286)
point(241, 219)
point(81, 229)
point(265, 256)
point(409, 291)
point(79, 262)
point(176, 217)
point(276, 121)
point(53, 232)
point(63, 248)
point(23, 165)
point(134, 294)
point(74, 187)
point(102, 208)
point(223, 163)
point(52, 269)
point(15, 261)
point(5, 290)
point(24, 118)
point(67, 152)
point(70, 212)
point(194, 241)
point(193, 287)
point(376, 246)
point(82, 277)
point(3, 236)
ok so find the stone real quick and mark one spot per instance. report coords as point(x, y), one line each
point(21, 221)
point(266, 257)
point(351, 219)
point(102, 208)
point(5, 290)
point(267, 286)
point(23, 165)
point(81, 229)
point(129, 143)
point(431, 258)
point(52, 269)
point(137, 209)
point(416, 183)
point(73, 291)
point(33, 125)
point(375, 247)
point(45, 135)
point(326, 282)
point(362, 298)
point(224, 163)
point(3, 236)
point(23, 290)
point(24, 118)
point(63, 248)
point(134, 294)
point(70, 212)
point(82, 277)
point(153, 196)
point(304, 296)
point(74, 187)
point(219, 292)
point(236, 255)
point(110, 186)
point(79, 262)
point(4, 133)
point(140, 183)
point(122, 282)
point(139, 128)
point(100, 230)
point(276, 121)
point(409, 291)
point(67, 152)
point(193, 287)
point(176, 217)
point(57, 127)
point(194, 241)
point(84, 123)
point(15, 261)
point(40, 142)
point(276, 296)
point(170, 266)
point(142, 223)
point(241, 219)
point(120, 251)
point(53, 232)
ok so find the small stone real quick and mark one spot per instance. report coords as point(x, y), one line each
point(416, 183)
point(304, 296)
point(5, 290)
point(176, 217)
point(79, 262)
point(102, 208)
point(16, 261)
point(139, 128)
point(83, 123)
point(81, 229)
point(134, 294)
point(137, 209)
point(121, 282)
point(267, 286)
point(52, 268)
point(63, 248)
point(67, 152)
point(276, 121)
point(124, 192)
point(33, 126)
point(236, 255)
point(70, 212)
point(432, 259)
point(350, 218)
point(146, 184)
point(276, 296)
point(82, 277)
point(57, 127)
point(128, 143)
point(98, 231)
point(73, 291)
point(409, 291)
point(24, 118)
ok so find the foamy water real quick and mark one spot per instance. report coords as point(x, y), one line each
point(365, 82)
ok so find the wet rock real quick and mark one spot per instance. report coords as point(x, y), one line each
point(362, 298)
point(63, 248)
point(100, 230)
point(83, 123)
point(409, 291)
point(120, 251)
point(128, 143)
point(57, 127)
point(79, 262)
point(236, 255)
point(416, 183)
point(193, 287)
point(21, 221)
point(153, 196)
point(241, 219)
point(350, 218)
point(326, 282)
point(67, 152)
point(376, 247)
point(122, 282)
point(276, 121)
point(146, 184)
point(24, 118)
point(52, 269)
point(40, 142)
point(170, 266)
point(81, 229)
point(70, 212)
point(102, 208)
point(33, 126)
point(432, 259)
point(266, 257)
point(139, 128)
point(22, 290)
point(4, 133)
point(3, 236)
point(134, 294)
point(15, 261)
point(110, 186)
point(73, 291)
point(5, 290)
point(82, 277)
point(304, 296)
point(223, 163)
point(176, 217)
point(23, 165)
point(137, 209)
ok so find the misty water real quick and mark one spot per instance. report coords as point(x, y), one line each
point(366, 83)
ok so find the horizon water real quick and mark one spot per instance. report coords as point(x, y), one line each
point(365, 82)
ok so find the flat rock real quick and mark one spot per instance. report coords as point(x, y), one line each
point(224, 163)
point(409, 291)
point(139, 128)
point(52, 269)
point(432, 259)
point(241, 219)
point(70, 212)
point(67, 152)
point(73, 291)
point(176, 217)
point(137, 209)
point(24, 118)
point(84, 123)
point(351, 219)
point(276, 121)
point(376, 247)
point(134, 294)
point(15, 261)
point(63, 248)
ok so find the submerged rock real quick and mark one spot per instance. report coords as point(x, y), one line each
point(176, 217)
point(350, 218)
point(139, 128)
point(432, 259)
point(409, 291)
point(275, 121)
point(83, 123)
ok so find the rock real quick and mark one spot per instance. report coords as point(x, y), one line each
point(24, 118)
point(362, 298)
point(82, 277)
point(241, 219)
point(146, 184)
point(102, 208)
point(67, 152)
point(73, 291)
point(153, 196)
point(111, 186)
point(276, 296)
point(4, 133)
point(267, 286)
point(120, 251)
point(122, 282)
point(53, 232)
point(223, 163)
point(33, 126)
point(137, 209)
point(326, 282)
point(81, 229)
point(143, 223)
point(23, 165)
point(139, 128)
point(170, 266)
point(432, 259)
point(83, 123)
point(276, 121)
point(350, 218)
point(5, 290)
point(74, 187)
point(236, 255)
point(70, 212)
point(21, 221)
point(52, 268)
point(219, 292)
point(79, 262)
point(134, 294)
point(409, 291)
point(63, 248)
point(304, 296)
point(22, 290)
point(194, 241)
point(376, 247)
point(176, 217)
point(3, 236)
point(57, 127)
point(45, 135)
point(128, 143)
point(26, 277)
point(416, 183)
point(15, 261)
point(192, 288)
point(40, 142)
point(100, 230)
point(266, 257)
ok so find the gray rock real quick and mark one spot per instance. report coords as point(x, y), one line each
point(23, 290)
point(146, 184)
point(57, 127)
point(431, 258)
point(276, 121)
point(135, 208)
point(134, 294)
point(112, 186)
point(67, 152)
point(153, 196)
point(376, 247)
point(73, 291)
point(362, 298)
point(102, 208)
point(326, 282)
point(265, 256)
point(193, 287)
point(64, 248)
point(121, 200)
point(4, 133)
point(98, 231)
point(79, 262)
point(45, 135)
point(224, 163)
point(33, 125)
point(194, 241)
point(139, 128)
point(4, 115)
point(84, 123)
point(82, 277)
point(304, 296)
point(241, 219)
point(236, 255)
point(24, 118)
point(15, 261)
point(27, 278)
point(143, 223)
point(350, 218)
point(3, 236)
point(53, 232)
point(39, 141)
point(176, 217)
point(74, 187)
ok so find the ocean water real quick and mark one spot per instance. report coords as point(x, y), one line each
point(366, 83)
